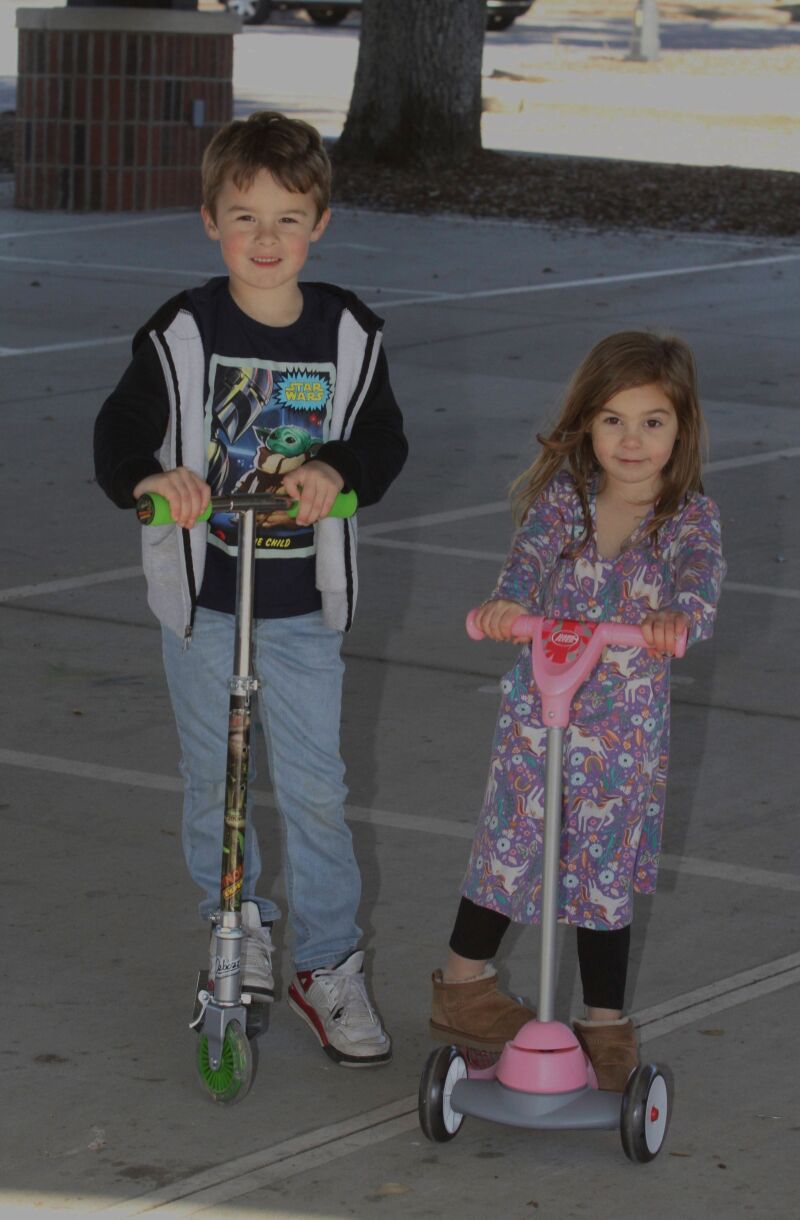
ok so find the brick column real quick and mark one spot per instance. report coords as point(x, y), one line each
point(115, 106)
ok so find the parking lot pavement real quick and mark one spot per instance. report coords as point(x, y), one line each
point(485, 322)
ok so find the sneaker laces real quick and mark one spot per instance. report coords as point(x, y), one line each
point(260, 937)
point(347, 997)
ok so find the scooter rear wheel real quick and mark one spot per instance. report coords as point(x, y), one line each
point(231, 1080)
point(645, 1114)
point(438, 1120)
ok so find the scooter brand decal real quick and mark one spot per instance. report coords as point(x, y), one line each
point(225, 965)
point(565, 639)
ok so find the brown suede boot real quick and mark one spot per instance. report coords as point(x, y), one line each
point(475, 1013)
point(612, 1049)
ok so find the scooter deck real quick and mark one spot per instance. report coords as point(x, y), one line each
point(580, 1109)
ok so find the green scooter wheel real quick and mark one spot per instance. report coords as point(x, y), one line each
point(231, 1081)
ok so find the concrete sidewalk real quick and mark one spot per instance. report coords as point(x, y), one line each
point(724, 91)
point(485, 322)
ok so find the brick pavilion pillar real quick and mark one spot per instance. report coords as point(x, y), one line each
point(115, 106)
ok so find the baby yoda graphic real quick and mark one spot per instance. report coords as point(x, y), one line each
point(281, 449)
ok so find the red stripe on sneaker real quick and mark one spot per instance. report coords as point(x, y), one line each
point(309, 1012)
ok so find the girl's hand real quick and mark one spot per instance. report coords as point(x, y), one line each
point(495, 618)
point(187, 493)
point(316, 486)
point(661, 628)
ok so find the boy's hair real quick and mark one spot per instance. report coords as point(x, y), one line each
point(289, 149)
point(620, 362)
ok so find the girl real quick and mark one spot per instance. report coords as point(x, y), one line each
point(613, 526)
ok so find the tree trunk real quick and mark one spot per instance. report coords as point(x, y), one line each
point(417, 90)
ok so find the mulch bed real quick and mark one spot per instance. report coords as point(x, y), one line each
point(585, 191)
point(573, 191)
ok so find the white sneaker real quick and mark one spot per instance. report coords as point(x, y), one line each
point(335, 1004)
point(256, 956)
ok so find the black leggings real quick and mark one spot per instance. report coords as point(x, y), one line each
point(602, 955)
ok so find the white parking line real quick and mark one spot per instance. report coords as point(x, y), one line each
point(6, 352)
point(70, 582)
point(455, 552)
point(94, 227)
point(501, 506)
point(233, 1179)
point(189, 273)
point(242, 1175)
point(598, 281)
point(477, 294)
point(372, 535)
point(716, 870)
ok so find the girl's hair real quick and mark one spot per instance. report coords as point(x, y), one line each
point(620, 362)
point(291, 150)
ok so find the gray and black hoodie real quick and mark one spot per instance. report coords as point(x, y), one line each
point(153, 421)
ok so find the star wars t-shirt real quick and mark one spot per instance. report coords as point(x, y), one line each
point(267, 411)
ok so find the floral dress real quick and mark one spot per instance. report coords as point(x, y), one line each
point(616, 746)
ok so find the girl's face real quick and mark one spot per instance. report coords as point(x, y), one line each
point(633, 436)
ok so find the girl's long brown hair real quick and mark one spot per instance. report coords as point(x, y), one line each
point(620, 362)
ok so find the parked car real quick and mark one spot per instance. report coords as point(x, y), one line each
point(499, 13)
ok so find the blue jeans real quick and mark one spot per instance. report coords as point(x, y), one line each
point(299, 669)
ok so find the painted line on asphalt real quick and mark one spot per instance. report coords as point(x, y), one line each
point(696, 1005)
point(70, 582)
point(499, 557)
point(236, 1178)
point(500, 506)
point(68, 230)
point(242, 1175)
point(477, 294)
point(409, 822)
point(76, 266)
point(372, 535)
point(100, 578)
point(187, 272)
point(630, 277)
point(8, 352)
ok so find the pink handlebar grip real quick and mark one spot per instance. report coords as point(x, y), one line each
point(526, 626)
point(473, 632)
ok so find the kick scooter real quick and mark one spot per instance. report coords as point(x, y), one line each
point(542, 1079)
point(224, 1016)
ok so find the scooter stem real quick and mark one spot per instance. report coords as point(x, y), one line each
point(245, 573)
point(550, 871)
point(242, 686)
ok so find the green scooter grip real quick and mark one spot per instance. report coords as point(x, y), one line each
point(153, 509)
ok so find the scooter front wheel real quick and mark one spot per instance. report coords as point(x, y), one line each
point(645, 1114)
point(231, 1080)
point(437, 1118)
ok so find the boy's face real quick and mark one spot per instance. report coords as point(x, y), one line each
point(264, 233)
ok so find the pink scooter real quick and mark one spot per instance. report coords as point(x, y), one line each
point(542, 1078)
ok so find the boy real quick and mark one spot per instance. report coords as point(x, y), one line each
point(253, 382)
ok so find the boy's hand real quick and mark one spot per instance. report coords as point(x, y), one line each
point(495, 618)
point(187, 493)
point(315, 486)
point(660, 629)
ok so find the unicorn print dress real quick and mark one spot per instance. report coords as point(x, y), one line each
point(616, 747)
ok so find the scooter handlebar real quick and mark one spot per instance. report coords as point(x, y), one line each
point(526, 626)
point(153, 509)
